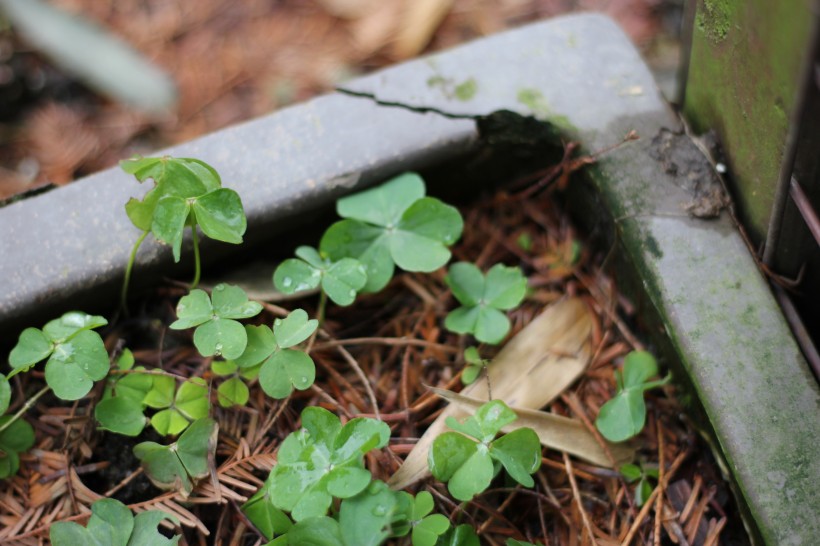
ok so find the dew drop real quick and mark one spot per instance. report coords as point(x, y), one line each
point(286, 282)
point(277, 322)
point(315, 273)
point(218, 349)
point(352, 293)
point(362, 269)
point(301, 286)
point(219, 287)
point(379, 511)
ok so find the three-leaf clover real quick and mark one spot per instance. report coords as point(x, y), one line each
point(178, 407)
point(76, 355)
point(483, 298)
point(282, 368)
point(233, 391)
point(15, 436)
point(112, 524)
point(641, 474)
point(393, 224)
point(426, 527)
point(474, 365)
point(624, 415)
point(467, 459)
point(321, 461)
point(217, 332)
point(188, 192)
point(340, 279)
point(179, 465)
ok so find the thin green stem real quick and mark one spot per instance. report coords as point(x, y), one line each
point(128, 268)
point(320, 316)
point(197, 266)
point(27, 406)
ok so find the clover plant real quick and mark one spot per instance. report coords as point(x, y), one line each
point(215, 317)
point(483, 297)
point(187, 192)
point(76, 354)
point(112, 524)
point(282, 368)
point(427, 527)
point(233, 391)
point(179, 465)
point(341, 280)
point(469, 458)
point(16, 435)
point(474, 365)
point(393, 224)
point(178, 407)
point(624, 415)
point(321, 461)
point(641, 474)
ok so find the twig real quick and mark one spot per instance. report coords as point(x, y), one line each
point(645, 510)
point(389, 341)
point(659, 499)
point(365, 382)
point(27, 406)
point(577, 495)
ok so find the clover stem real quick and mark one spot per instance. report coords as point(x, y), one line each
point(320, 316)
point(27, 406)
point(128, 268)
point(197, 267)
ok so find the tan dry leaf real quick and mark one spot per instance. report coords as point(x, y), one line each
point(420, 20)
point(535, 366)
point(554, 431)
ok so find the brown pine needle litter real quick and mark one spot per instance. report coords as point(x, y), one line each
point(378, 357)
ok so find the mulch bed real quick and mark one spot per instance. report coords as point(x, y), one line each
point(394, 343)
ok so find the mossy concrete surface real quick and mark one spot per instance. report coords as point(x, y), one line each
point(743, 81)
point(579, 71)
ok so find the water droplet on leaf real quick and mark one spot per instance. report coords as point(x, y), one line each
point(379, 511)
point(219, 287)
point(286, 282)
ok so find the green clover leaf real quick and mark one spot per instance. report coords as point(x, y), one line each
point(483, 298)
point(112, 524)
point(427, 527)
point(189, 404)
point(474, 365)
point(217, 332)
point(340, 280)
point(375, 514)
point(466, 458)
point(5, 394)
point(282, 368)
point(179, 465)
point(232, 392)
point(323, 460)
point(463, 535)
point(76, 355)
point(624, 415)
point(121, 409)
point(642, 475)
point(180, 177)
point(16, 437)
point(393, 224)
point(121, 415)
